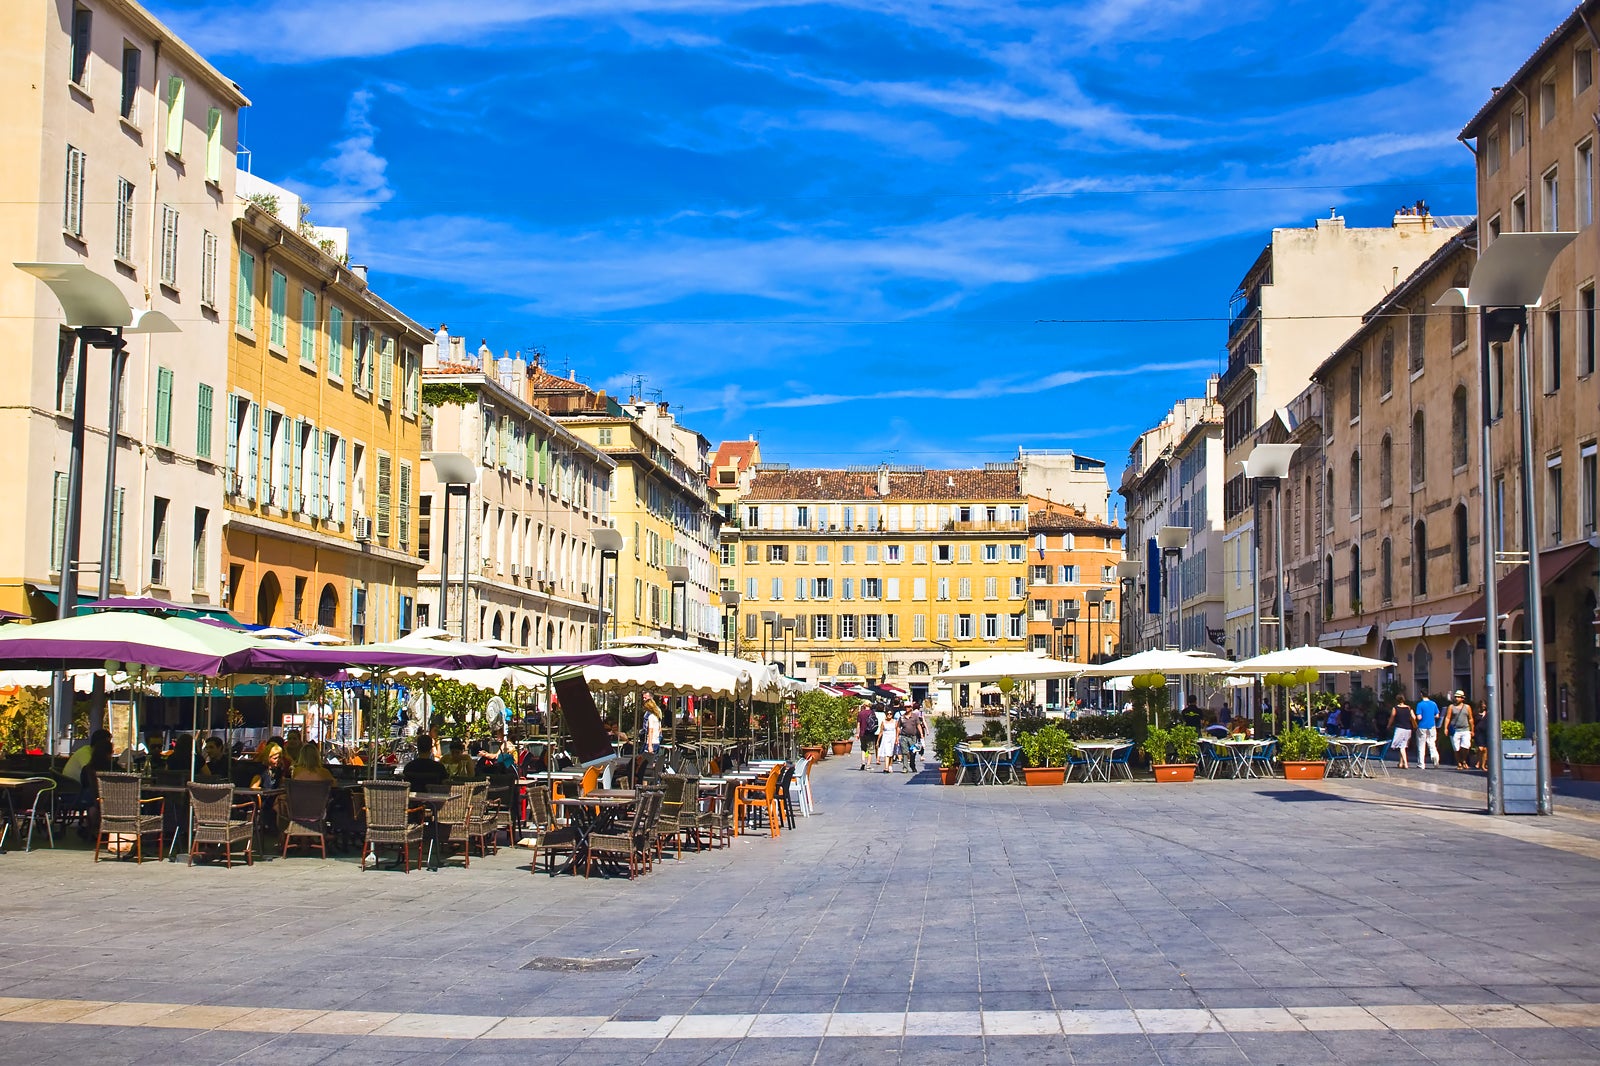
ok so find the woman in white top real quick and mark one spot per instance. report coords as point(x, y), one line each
point(888, 737)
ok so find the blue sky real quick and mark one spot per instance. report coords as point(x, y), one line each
point(845, 227)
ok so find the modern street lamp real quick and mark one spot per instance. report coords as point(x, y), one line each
point(609, 543)
point(1068, 616)
point(678, 575)
point(1095, 599)
point(769, 622)
point(1508, 279)
point(1128, 575)
point(100, 315)
point(1171, 541)
point(1269, 463)
point(730, 610)
point(457, 473)
point(1058, 622)
point(789, 625)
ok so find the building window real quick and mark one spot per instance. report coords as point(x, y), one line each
point(124, 249)
point(1386, 470)
point(1416, 340)
point(1550, 202)
point(403, 510)
point(169, 246)
point(1519, 213)
point(1419, 559)
point(1588, 490)
point(1419, 453)
point(1386, 570)
point(1547, 101)
point(158, 542)
point(58, 521)
point(82, 26)
point(202, 422)
point(208, 270)
point(1519, 129)
point(1355, 388)
point(214, 145)
point(1497, 382)
point(335, 342)
point(197, 561)
point(1386, 363)
point(1458, 428)
point(278, 311)
point(1554, 501)
point(1583, 190)
point(1463, 573)
point(1355, 484)
point(1355, 578)
point(385, 495)
point(1458, 315)
point(1582, 70)
point(1491, 152)
point(308, 328)
point(1552, 349)
point(244, 312)
point(991, 627)
point(72, 205)
point(963, 627)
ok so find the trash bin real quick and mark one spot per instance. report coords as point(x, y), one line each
point(1518, 780)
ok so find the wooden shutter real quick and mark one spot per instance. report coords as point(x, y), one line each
point(214, 145)
point(385, 478)
point(296, 462)
point(175, 115)
point(232, 457)
point(404, 507)
point(163, 406)
point(253, 453)
point(202, 422)
point(72, 199)
point(58, 521)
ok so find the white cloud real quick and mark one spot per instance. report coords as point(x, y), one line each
point(990, 389)
point(352, 181)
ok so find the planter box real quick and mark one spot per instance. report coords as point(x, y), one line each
point(948, 774)
point(842, 747)
point(1044, 775)
point(1174, 771)
point(1305, 771)
point(1582, 771)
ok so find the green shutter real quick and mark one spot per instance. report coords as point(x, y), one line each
point(308, 327)
point(232, 445)
point(163, 406)
point(336, 342)
point(175, 115)
point(530, 459)
point(202, 423)
point(278, 333)
point(544, 462)
point(214, 145)
point(244, 309)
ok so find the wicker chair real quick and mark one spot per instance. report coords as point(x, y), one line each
point(122, 813)
point(680, 812)
point(307, 800)
point(453, 825)
point(482, 824)
point(389, 821)
point(212, 822)
point(542, 835)
point(635, 843)
point(716, 820)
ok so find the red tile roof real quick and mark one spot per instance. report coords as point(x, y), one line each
point(737, 453)
point(966, 486)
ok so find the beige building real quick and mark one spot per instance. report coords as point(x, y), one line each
point(1535, 141)
point(119, 155)
point(1295, 305)
point(524, 531)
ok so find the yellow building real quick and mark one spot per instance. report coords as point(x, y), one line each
point(1074, 593)
point(323, 442)
point(660, 503)
point(887, 573)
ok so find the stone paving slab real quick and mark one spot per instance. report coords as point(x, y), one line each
point(1248, 921)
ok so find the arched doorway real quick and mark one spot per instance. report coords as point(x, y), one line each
point(549, 636)
point(268, 596)
point(497, 627)
point(328, 608)
point(527, 632)
point(1461, 667)
point(1421, 671)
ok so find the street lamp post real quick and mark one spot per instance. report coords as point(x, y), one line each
point(1269, 463)
point(1095, 599)
point(730, 610)
point(1508, 279)
point(769, 621)
point(678, 575)
point(609, 542)
point(1067, 617)
point(1058, 623)
point(789, 625)
point(1171, 540)
point(100, 315)
point(457, 473)
point(1128, 575)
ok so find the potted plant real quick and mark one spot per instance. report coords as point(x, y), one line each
point(1582, 744)
point(1303, 753)
point(813, 728)
point(1045, 750)
point(1183, 744)
point(1558, 748)
point(947, 733)
point(842, 724)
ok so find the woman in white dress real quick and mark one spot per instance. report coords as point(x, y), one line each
point(888, 738)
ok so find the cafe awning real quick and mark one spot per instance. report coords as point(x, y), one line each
point(1347, 638)
point(1513, 588)
point(1428, 625)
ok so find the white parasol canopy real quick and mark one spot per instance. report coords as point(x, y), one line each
point(1309, 656)
point(678, 672)
point(1160, 661)
point(1019, 665)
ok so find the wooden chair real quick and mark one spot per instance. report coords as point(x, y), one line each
point(482, 824)
point(716, 820)
point(122, 813)
point(679, 814)
point(543, 835)
point(635, 843)
point(389, 821)
point(307, 802)
point(211, 810)
point(760, 799)
point(453, 825)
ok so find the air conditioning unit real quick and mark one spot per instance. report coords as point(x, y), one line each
point(158, 571)
point(544, 577)
point(586, 590)
point(527, 572)
point(363, 526)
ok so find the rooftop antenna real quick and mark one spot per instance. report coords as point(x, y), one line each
point(638, 386)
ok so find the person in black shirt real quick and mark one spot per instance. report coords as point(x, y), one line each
point(425, 773)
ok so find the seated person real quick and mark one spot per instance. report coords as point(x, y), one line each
point(457, 762)
point(214, 760)
point(80, 758)
point(272, 766)
point(425, 773)
point(309, 765)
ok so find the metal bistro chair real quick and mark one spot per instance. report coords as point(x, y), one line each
point(1261, 758)
point(1119, 760)
point(1077, 760)
point(1013, 764)
point(211, 810)
point(965, 761)
point(1210, 758)
point(389, 821)
point(32, 802)
point(308, 812)
point(1340, 760)
point(122, 813)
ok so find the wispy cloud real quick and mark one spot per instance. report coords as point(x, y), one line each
point(987, 390)
point(352, 181)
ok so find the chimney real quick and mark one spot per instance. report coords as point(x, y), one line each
point(458, 350)
point(359, 270)
point(883, 480)
point(485, 356)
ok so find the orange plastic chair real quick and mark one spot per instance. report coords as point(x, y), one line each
point(762, 797)
point(590, 782)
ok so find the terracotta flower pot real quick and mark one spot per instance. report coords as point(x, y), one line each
point(1582, 771)
point(1044, 775)
point(814, 751)
point(1305, 771)
point(1174, 771)
point(948, 774)
point(842, 747)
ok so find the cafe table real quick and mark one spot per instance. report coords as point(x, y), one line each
point(988, 758)
point(1098, 753)
point(1240, 752)
point(1358, 751)
point(591, 814)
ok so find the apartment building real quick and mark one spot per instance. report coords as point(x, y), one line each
point(660, 503)
point(1074, 591)
point(119, 157)
point(1535, 151)
point(522, 535)
point(323, 440)
point(1295, 304)
point(887, 573)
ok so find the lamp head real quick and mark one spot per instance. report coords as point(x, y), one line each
point(452, 468)
point(1172, 538)
point(730, 598)
point(678, 575)
point(1269, 460)
point(606, 539)
point(1511, 270)
point(1095, 595)
point(1128, 569)
point(87, 298)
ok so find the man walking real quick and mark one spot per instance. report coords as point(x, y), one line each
point(1459, 714)
point(1402, 719)
point(867, 730)
point(1427, 730)
point(911, 738)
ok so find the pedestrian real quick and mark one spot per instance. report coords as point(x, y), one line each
point(1480, 735)
point(888, 737)
point(1402, 719)
point(1427, 730)
point(867, 730)
point(1459, 716)
point(911, 738)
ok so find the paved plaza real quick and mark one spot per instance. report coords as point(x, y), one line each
point(1222, 922)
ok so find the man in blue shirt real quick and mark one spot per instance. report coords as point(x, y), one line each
point(1427, 730)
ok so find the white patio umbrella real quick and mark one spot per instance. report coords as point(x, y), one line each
point(1159, 661)
point(676, 672)
point(1017, 665)
point(1309, 657)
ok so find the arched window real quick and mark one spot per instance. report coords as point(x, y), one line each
point(1306, 537)
point(1419, 451)
point(1355, 578)
point(497, 626)
point(1421, 670)
point(1386, 468)
point(1416, 338)
point(1419, 559)
point(1458, 428)
point(1463, 572)
point(328, 607)
point(1355, 483)
point(1386, 570)
point(1386, 362)
point(1327, 499)
point(268, 596)
point(527, 633)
